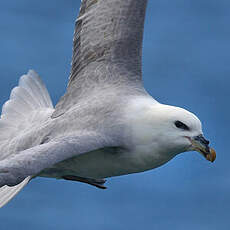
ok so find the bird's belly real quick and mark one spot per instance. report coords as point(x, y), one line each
point(104, 163)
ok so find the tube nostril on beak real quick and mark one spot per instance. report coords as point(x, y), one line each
point(206, 142)
point(202, 139)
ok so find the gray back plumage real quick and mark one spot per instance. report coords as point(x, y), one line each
point(107, 49)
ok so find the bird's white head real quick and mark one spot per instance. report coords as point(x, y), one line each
point(169, 130)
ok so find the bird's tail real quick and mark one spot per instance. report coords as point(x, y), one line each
point(29, 105)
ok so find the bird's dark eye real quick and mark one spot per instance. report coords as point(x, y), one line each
point(181, 125)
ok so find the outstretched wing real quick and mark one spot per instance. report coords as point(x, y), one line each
point(107, 48)
point(30, 162)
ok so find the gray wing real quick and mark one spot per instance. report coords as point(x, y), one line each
point(30, 162)
point(107, 48)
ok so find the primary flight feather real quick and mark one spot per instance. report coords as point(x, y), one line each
point(106, 124)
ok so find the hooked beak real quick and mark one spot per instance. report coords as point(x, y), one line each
point(200, 144)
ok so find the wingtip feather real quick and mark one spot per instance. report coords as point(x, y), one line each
point(8, 193)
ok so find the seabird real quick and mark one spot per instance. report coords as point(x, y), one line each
point(106, 124)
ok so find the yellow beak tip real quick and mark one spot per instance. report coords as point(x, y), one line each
point(212, 155)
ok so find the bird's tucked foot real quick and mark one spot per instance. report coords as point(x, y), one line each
point(99, 183)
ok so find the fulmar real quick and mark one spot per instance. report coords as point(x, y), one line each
point(106, 124)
